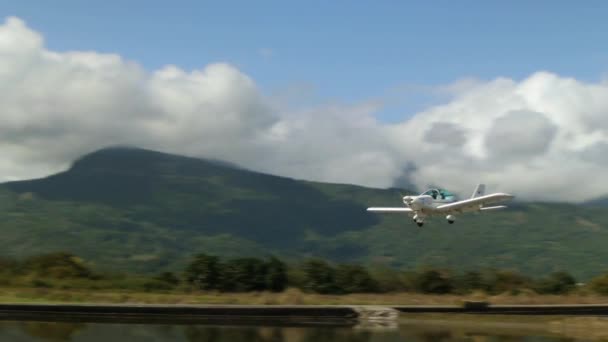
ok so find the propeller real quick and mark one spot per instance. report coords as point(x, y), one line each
point(406, 199)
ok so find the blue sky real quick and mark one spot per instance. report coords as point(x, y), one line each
point(347, 51)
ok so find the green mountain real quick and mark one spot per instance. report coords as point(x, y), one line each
point(125, 209)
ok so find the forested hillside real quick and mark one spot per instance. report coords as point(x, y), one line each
point(125, 209)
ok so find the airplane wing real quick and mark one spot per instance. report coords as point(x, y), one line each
point(390, 210)
point(498, 207)
point(475, 203)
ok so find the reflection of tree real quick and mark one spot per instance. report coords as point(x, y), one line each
point(508, 338)
point(294, 334)
point(570, 339)
point(228, 334)
point(271, 334)
point(462, 333)
point(478, 338)
point(59, 331)
point(274, 334)
point(336, 334)
point(199, 334)
point(431, 335)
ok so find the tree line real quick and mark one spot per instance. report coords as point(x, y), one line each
point(319, 276)
point(211, 273)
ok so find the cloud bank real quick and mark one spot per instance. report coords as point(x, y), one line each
point(541, 138)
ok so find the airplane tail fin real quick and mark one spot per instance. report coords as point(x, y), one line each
point(480, 190)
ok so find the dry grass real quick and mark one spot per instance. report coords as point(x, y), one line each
point(290, 296)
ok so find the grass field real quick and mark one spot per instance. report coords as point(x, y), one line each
point(290, 296)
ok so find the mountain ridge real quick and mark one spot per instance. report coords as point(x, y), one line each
point(136, 210)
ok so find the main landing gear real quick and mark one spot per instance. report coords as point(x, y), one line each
point(418, 220)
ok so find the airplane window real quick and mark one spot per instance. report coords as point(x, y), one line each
point(440, 193)
point(446, 194)
point(433, 193)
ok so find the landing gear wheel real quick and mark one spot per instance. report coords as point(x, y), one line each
point(451, 222)
point(420, 224)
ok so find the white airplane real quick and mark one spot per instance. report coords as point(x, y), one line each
point(442, 202)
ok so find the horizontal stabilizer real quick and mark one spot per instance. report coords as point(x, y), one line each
point(494, 208)
point(389, 210)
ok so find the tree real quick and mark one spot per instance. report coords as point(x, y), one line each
point(8, 266)
point(432, 281)
point(169, 278)
point(204, 272)
point(354, 279)
point(276, 275)
point(243, 275)
point(319, 276)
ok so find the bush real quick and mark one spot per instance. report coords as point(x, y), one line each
point(157, 285)
point(236, 275)
point(500, 281)
point(40, 283)
point(600, 284)
point(390, 280)
point(57, 265)
point(469, 282)
point(556, 283)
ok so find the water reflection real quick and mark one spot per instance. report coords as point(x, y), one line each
point(419, 331)
point(52, 331)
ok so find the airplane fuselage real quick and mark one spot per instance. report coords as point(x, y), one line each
point(442, 202)
point(424, 202)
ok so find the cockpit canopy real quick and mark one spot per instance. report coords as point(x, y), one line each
point(440, 194)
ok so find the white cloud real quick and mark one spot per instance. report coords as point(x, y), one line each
point(518, 135)
point(533, 138)
point(544, 137)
